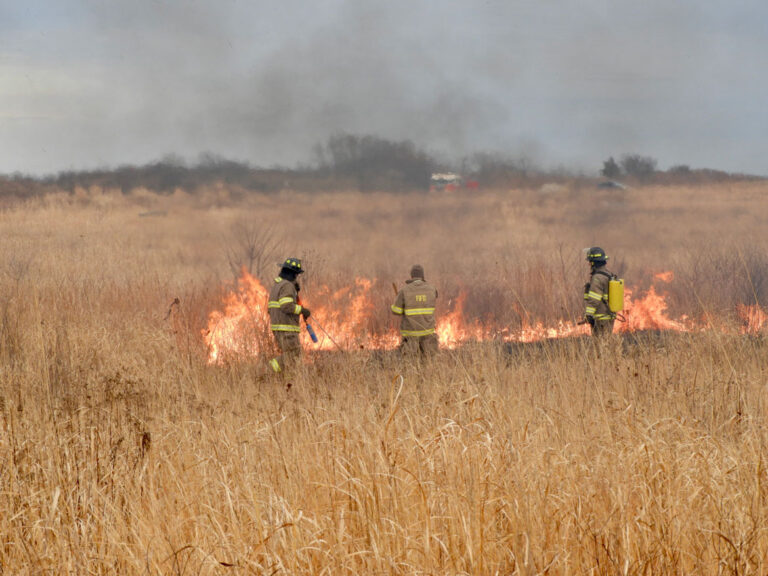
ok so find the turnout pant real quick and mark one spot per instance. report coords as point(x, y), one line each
point(602, 328)
point(419, 345)
point(290, 350)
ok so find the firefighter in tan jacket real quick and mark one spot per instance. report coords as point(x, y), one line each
point(415, 303)
point(597, 313)
point(285, 313)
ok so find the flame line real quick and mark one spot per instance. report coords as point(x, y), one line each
point(349, 312)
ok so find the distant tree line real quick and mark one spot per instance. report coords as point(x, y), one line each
point(345, 161)
point(375, 163)
point(643, 169)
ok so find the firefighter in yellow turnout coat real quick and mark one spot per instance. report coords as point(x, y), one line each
point(415, 302)
point(597, 312)
point(285, 313)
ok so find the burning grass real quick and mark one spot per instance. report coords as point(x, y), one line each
point(349, 320)
point(124, 450)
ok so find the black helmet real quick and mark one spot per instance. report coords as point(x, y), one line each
point(294, 265)
point(596, 255)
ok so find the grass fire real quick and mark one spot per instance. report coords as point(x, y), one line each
point(350, 321)
point(142, 430)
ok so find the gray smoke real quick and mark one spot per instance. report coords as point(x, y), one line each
point(93, 82)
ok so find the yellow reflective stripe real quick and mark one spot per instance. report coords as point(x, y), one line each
point(275, 364)
point(278, 280)
point(273, 304)
point(418, 311)
point(417, 332)
point(604, 316)
point(590, 309)
point(396, 309)
point(285, 300)
point(595, 295)
point(284, 328)
point(297, 309)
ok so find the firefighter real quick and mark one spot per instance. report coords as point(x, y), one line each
point(415, 302)
point(285, 312)
point(597, 313)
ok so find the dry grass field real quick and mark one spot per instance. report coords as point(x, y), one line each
point(124, 451)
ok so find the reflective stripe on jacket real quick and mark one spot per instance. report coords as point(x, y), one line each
point(416, 304)
point(283, 307)
point(596, 295)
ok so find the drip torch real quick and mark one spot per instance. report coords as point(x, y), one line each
point(308, 325)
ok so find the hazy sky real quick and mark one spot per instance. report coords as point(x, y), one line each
point(95, 83)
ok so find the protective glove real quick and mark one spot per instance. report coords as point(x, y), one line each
point(305, 313)
point(591, 320)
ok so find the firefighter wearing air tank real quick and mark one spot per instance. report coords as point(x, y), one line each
point(415, 303)
point(285, 313)
point(598, 311)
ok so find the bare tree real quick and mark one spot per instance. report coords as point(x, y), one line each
point(252, 246)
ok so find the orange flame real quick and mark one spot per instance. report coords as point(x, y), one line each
point(243, 326)
point(452, 329)
point(649, 313)
point(348, 318)
point(753, 318)
point(539, 331)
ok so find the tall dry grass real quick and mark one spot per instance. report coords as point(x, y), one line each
point(123, 452)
